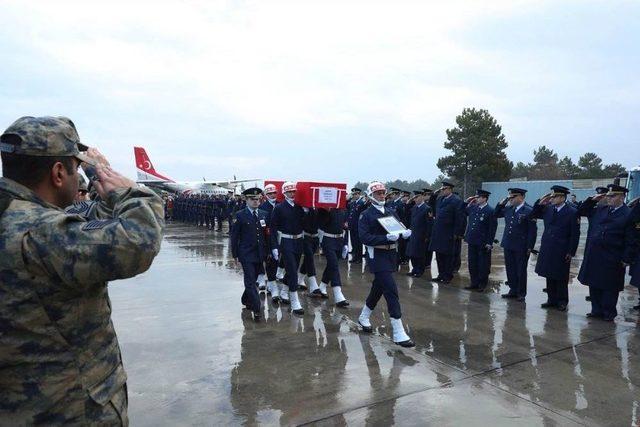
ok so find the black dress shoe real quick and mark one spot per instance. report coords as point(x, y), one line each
point(344, 303)
point(324, 296)
point(367, 329)
point(417, 276)
point(587, 298)
point(275, 300)
point(285, 301)
point(594, 315)
point(302, 287)
point(407, 344)
point(299, 312)
point(444, 281)
point(355, 261)
point(509, 296)
point(257, 316)
point(562, 307)
point(410, 274)
point(436, 279)
point(544, 290)
point(547, 305)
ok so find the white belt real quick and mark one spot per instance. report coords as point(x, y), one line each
point(291, 236)
point(309, 234)
point(335, 236)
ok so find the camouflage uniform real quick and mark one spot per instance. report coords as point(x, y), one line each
point(60, 361)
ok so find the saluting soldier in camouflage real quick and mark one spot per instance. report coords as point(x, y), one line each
point(60, 360)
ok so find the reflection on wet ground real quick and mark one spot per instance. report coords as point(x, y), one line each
point(194, 358)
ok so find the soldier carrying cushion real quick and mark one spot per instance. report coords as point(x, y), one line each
point(60, 360)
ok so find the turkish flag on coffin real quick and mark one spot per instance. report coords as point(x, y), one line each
point(325, 195)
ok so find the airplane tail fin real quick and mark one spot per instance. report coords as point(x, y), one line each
point(144, 167)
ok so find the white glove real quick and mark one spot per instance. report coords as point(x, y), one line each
point(392, 237)
point(345, 252)
point(275, 254)
point(406, 234)
point(306, 210)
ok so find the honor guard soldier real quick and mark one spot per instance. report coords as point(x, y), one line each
point(60, 360)
point(286, 241)
point(609, 252)
point(481, 231)
point(421, 224)
point(558, 244)
point(310, 244)
point(382, 262)
point(518, 239)
point(357, 205)
point(271, 265)
point(447, 227)
point(335, 245)
point(250, 246)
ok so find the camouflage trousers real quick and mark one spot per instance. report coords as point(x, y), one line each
point(113, 413)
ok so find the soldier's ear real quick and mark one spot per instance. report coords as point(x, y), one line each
point(58, 174)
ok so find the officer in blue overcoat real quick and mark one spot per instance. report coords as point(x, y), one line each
point(421, 223)
point(382, 262)
point(271, 265)
point(430, 200)
point(250, 246)
point(518, 239)
point(609, 253)
point(356, 206)
point(633, 230)
point(335, 245)
point(286, 242)
point(558, 244)
point(481, 231)
point(447, 228)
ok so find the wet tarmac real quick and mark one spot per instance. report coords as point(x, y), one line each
point(195, 358)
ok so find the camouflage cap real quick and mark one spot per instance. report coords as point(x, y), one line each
point(44, 136)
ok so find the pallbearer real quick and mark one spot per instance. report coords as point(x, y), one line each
point(335, 245)
point(421, 223)
point(518, 239)
point(286, 241)
point(382, 262)
point(481, 231)
point(558, 244)
point(250, 246)
point(310, 246)
point(609, 252)
point(271, 265)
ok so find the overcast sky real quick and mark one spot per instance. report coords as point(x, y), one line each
point(337, 91)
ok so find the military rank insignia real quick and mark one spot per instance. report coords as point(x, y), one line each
point(98, 224)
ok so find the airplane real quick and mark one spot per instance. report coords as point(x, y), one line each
point(148, 176)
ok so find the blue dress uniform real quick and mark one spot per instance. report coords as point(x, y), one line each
point(447, 225)
point(310, 242)
point(602, 267)
point(421, 224)
point(271, 264)
point(559, 240)
point(518, 240)
point(286, 226)
point(481, 231)
point(384, 261)
point(334, 239)
point(633, 230)
point(249, 244)
point(355, 209)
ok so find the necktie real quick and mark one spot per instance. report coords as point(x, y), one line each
point(255, 216)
